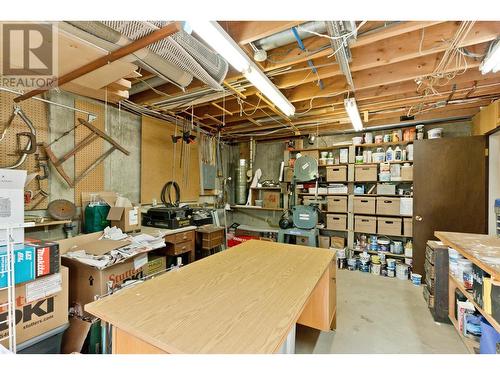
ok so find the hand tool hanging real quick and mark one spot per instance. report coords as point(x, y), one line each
point(30, 147)
point(95, 134)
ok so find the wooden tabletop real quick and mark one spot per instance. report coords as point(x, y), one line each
point(242, 300)
point(155, 230)
point(480, 249)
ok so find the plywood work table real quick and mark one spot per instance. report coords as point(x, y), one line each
point(243, 300)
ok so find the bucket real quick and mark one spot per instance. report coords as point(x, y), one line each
point(391, 263)
point(398, 247)
point(416, 279)
point(402, 271)
point(435, 133)
point(391, 272)
point(376, 269)
point(351, 264)
point(383, 244)
point(341, 253)
point(375, 259)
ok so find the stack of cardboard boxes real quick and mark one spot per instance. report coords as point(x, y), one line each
point(41, 291)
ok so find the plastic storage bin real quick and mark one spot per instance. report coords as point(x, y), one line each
point(490, 338)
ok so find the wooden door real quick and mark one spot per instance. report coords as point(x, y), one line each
point(450, 190)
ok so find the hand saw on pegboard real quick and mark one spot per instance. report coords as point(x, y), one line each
point(25, 145)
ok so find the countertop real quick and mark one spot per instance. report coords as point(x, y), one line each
point(241, 300)
point(481, 249)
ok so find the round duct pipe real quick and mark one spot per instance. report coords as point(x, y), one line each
point(286, 36)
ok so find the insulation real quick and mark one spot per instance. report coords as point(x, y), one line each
point(181, 49)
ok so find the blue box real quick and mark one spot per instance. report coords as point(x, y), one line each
point(24, 264)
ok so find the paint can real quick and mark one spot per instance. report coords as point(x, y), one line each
point(381, 256)
point(341, 253)
point(398, 247)
point(409, 261)
point(416, 279)
point(351, 264)
point(402, 271)
point(376, 269)
point(391, 263)
point(383, 244)
point(364, 267)
point(391, 272)
point(375, 259)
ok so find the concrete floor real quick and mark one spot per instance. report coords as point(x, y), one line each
point(380, 315)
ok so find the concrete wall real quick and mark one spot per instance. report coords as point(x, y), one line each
point(121, 172)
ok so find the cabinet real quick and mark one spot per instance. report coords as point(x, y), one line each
point(181, 243)
point(436, 279)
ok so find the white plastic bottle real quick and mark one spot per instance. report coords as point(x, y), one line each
point(389, 154)
point(398, 155)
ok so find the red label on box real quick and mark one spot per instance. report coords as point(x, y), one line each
point(42, 261)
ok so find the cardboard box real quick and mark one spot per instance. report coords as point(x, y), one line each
point(365, 224)
point(386, 189)
point(128, 219)
point(407, 173)
point(288, 174)
point(388, 206)
point(390, 226)
point(337, 173)
point(271, 199)
point(337, 204)
point(156, 263)
point(337, 189)
point(86, 282)
point(408, 227)
point(324, 242)
point(37, 317)
point(299, 143)
point(337, 242)
point(336, 221)
point(12, 202)
point(47, 258)
point(365, 172)
point(364, 205)
point(24, 264)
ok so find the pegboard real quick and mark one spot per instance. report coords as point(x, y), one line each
point(94, 181)
point(159, 166)
point(37, 112)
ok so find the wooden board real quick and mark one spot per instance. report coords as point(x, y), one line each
point(242, 300)
point(94, 181)
point(159, 166)
point(480, 249)
point(37, 112)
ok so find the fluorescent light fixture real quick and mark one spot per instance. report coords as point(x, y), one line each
point(491, 62)
point(215, 36)
point(352, 110)
point(266, 87)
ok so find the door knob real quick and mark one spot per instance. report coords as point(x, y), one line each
point(418, 218)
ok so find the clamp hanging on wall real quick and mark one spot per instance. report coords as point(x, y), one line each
point(94, 135)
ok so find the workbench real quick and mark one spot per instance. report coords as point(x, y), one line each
point(246, 299)
point(177, 241)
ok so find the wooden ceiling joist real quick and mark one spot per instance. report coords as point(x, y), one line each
point(244, 32)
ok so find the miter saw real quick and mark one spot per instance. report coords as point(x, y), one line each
point(304, 218)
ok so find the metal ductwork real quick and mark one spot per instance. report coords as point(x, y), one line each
point(286, 36)
point(179, 57)
point(342, 33)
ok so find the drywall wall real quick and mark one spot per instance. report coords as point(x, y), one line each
point(494, 180)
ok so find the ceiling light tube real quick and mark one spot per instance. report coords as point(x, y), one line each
point(352, 110)
point(491, 62)
point(217, 38)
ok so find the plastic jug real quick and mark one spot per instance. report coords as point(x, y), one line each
point(389, 154)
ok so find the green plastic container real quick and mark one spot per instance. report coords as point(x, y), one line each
point(95, 218)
